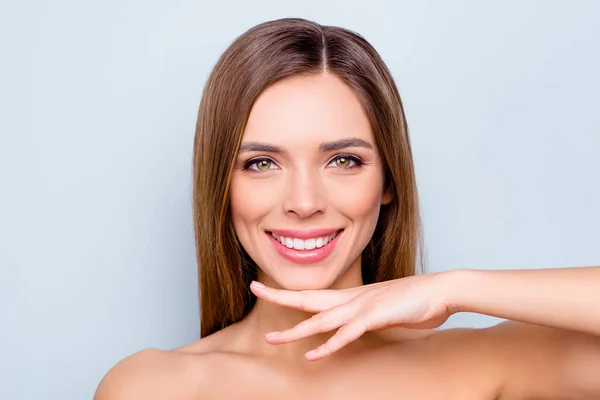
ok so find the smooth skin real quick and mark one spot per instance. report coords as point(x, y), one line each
point(370, 341)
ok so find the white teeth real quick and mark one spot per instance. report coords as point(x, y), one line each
point(307, 244)
point(298, 244)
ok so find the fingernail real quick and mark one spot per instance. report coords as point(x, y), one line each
point(311, 354)
point(271, 334)
point(258, 285)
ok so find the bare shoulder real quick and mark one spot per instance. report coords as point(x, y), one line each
point(134, 377)
point(154, 374)
point(542, 362)
point(535, 341)
point(510, 336)
point(514, 360)
point(185, 372)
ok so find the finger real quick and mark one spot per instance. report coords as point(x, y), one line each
point(319, 323)
point(345, 335)
point(311, 300)
point(305, 300)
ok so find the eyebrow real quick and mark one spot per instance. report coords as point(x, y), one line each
point(345, 143)
point(324, 147)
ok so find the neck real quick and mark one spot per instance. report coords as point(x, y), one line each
point(267, 317)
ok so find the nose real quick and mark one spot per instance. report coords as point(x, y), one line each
point(304, 196)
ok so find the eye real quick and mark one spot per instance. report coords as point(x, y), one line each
point(259, 164)
point(345, 161)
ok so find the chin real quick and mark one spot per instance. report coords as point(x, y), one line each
point(290, 276)
point(301, 278)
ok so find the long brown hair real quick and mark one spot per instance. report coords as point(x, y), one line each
point(258, 58)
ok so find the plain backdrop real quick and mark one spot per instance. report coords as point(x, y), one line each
point(98, 104)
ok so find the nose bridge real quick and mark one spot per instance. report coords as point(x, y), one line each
point(304, 195)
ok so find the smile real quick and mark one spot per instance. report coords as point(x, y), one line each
point(305, 247)
point(308, 244)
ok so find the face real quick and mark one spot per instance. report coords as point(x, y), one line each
point(308, 184)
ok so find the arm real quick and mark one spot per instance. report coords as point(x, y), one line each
point(567, 298)
point(554, 354)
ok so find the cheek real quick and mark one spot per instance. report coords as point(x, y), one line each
point(250, 201)
point(359, 199)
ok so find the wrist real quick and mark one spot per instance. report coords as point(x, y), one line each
point(459, 288)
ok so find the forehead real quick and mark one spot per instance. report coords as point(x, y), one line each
point(305, 109)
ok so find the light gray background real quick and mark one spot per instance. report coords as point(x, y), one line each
point(98, 105)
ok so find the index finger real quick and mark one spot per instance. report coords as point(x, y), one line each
point(312, 300)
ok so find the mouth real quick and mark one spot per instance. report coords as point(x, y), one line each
point(307, 246)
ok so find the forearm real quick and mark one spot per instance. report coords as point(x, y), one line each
point(566, 298)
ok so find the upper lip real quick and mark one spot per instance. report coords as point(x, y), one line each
point(304, 233)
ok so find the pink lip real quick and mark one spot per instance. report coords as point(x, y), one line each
point(305, 256)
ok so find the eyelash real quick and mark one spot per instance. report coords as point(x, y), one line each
point(357, 162)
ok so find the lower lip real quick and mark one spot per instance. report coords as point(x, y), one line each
point(305, 256)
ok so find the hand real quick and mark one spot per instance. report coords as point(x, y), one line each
point(414, 302)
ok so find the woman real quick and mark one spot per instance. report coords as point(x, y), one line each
point(305, 204)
